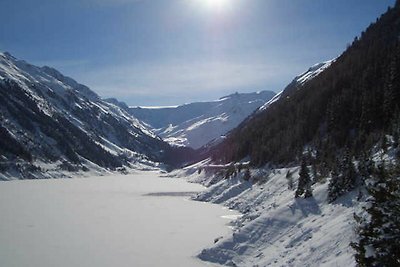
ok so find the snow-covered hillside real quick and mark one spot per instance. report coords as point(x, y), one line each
point(51, 119)
point(196, 124)
point(300, 80)
point(313, 72)
point(276, 228)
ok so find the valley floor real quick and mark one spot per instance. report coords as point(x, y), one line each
point(133, 220)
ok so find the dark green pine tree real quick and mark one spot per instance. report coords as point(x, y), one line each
point(390, 92)
point(334, 187)
point(247, 174)
point(344, 177)
point(395, 127)
point(396, 139)
point(365, 167)
point(379, 230)
point(349, 173)
point(304, 185)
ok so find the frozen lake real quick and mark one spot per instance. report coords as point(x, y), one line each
point(134, 220)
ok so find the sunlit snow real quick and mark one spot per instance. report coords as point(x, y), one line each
point(134, 220)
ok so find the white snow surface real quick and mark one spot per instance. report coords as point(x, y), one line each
point(271, 101)
point(313, 72)
point(132, 220)
point(276, 229)
point(197, 124)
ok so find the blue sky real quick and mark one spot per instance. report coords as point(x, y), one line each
point(165, 52)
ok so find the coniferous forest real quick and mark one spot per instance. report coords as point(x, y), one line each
point(350, 106)
point(335, 123)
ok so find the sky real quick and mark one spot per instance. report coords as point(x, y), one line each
point(168, 52)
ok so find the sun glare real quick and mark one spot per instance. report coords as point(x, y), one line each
point(215, 4)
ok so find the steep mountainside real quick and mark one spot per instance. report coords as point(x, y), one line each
point(196, 124)
point(213, 148)
point(316, 171)
point(349, 105)
point(46, 117)
point(299, 81)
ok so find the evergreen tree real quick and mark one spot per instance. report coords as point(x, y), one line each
point(395, 125)
point(314, 172)
point(334, 188)
point(239, 167)
point(247, 174)
point(396, 139)
point(343, 177)
point(349, 173)
point(379, 228)
point(365, 167)
point(384, 143)
point(304, 185)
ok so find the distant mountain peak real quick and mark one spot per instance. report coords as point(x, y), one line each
point(7, 55)
point(21, 72)
point(248, 94)
point(196, 124)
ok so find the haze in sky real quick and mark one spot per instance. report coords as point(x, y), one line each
point(166, 52)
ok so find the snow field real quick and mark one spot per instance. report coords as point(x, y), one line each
point(133, 220)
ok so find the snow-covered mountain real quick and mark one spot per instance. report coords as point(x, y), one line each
point(196, 124)
point(312, 72)
point(48, 118)
point(300, 80)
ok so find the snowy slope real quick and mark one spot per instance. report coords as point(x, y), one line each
point(276, 229)
point(300, 80)
point(313, 72)
point(196, 124)
point(307, 76)
point(272, 100)
point(49, 118)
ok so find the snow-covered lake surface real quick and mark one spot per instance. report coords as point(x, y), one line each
point(133, 220)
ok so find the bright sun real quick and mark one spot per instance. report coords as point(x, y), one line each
point(215, 4)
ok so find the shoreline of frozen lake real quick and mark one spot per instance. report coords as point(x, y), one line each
point(120, 220)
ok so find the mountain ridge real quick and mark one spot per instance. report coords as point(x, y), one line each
point(198, 123)
point(50, 119)
point(354, 98)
